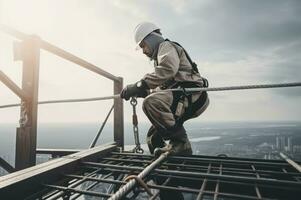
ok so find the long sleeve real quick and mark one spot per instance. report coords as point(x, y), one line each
point(168, 66)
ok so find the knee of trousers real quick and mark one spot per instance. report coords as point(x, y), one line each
point(156, 108)
point(148, 104)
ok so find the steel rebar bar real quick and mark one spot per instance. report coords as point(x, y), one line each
point(126, 188)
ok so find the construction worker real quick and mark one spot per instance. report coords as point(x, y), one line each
point(167, 110)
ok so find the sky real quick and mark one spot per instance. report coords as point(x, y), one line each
point(233, 42)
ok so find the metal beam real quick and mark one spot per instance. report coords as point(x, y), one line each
point(202, 175)
point(204, 158)
point(118, 114)
point(79, 191)
point(79, 182)
point(170, 188)
point(12, 86)
point(199, 167)
point(5, 165)
point(26, 139)
point(29, 180)
point(13, 32)
point(72, 58)
point(57, 152)
point(66, 101)
point(59, 52)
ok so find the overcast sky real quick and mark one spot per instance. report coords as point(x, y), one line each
point(234, 43)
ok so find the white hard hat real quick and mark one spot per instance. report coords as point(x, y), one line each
point(142, 30)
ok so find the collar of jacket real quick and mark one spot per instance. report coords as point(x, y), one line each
point(155, 52)
point(153, 41)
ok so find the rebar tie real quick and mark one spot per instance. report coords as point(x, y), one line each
point(140, 182)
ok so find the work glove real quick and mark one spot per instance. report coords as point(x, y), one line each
point(139, 89)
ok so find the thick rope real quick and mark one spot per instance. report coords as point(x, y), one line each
point(127, 187)
point(243, 87)
point(291, 162)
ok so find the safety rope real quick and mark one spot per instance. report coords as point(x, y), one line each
point(243, 87)
point(127, 187)
point(137, 148)
point(133, 101)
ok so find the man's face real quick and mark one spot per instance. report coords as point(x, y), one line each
point(145, 49)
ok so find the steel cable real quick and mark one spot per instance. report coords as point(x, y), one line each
point(242, 87)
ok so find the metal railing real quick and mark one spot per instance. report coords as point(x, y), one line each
point(27, 49)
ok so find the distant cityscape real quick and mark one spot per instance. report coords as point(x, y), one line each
point(264, 150)
point(258, 140)
point(282, 144)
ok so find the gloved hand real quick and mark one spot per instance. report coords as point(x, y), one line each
point(139, 89)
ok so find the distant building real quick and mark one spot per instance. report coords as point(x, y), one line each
point(297, 149)
point(289, 144)
point(277, 143)
point(280, 143)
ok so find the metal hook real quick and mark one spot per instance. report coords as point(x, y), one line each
point(133, 101)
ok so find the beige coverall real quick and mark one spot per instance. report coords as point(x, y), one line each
point(171, 66)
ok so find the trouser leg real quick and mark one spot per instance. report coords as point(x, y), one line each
point(179, 143)
point(157, 108)
point(154, 140)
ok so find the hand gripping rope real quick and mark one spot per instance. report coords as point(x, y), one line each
point(138, 148)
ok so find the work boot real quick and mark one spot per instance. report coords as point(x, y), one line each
point(158, 151)
point(176, 148)
point(179, 143)
point(154, 140)
point(180, 147)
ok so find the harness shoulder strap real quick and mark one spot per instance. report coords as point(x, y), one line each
point(193, 64)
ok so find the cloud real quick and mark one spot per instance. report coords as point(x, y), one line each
point(234, 43)
point(240, 25)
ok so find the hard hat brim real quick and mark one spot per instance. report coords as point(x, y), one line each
point(138, 46)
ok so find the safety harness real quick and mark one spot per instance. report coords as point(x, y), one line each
point(179, 101)
point(193, 64)
point(179, 97)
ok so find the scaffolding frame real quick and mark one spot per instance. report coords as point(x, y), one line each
point(101, 172)
point(27, 50)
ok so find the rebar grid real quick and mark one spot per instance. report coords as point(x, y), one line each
point(202, 177)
